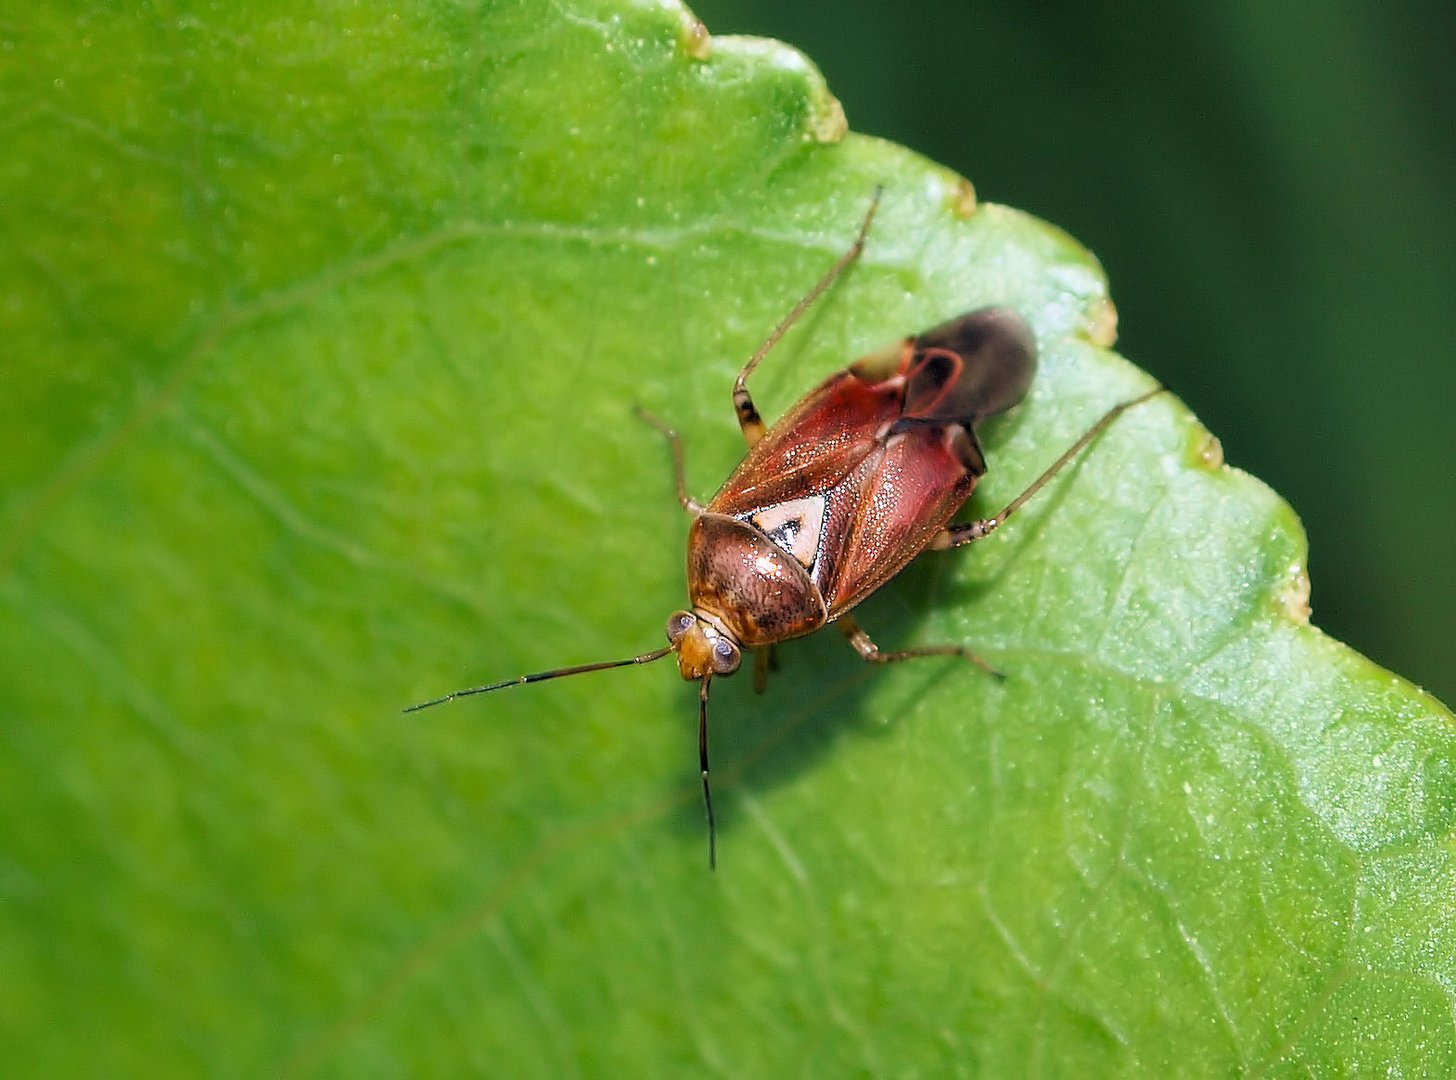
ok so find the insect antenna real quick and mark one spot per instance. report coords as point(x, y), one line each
point(703, 764)
point(554, 673)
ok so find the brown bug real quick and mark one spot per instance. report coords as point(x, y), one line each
point(857, 479)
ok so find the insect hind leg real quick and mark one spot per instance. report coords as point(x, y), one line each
point(749, 420)
point(969, 532)
point(865, 646)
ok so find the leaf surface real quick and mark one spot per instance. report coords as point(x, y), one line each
point(325, 337)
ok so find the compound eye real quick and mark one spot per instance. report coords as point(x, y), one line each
point(678, 624)
point(726, 657)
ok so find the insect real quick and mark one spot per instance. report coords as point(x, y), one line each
point(862, 475)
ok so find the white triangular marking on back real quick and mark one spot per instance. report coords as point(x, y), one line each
point(795, 526)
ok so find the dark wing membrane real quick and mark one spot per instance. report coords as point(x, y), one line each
point(997, 359)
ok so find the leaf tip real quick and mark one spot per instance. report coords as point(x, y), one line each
point(1208, 452)
point(693, 37)
point(1102, 323)
point(1293, 595)
point(963, 203)
point(827, 123)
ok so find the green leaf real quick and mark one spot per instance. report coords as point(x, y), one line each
point(323, 340)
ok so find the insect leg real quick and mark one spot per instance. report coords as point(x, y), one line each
point(689, 503)
point(765, 660)
point(749, 420)
point(970, 531)
point(870, 651)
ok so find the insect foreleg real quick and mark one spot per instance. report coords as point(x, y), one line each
point(866, 647)
point(765, 661)
point(690, 504)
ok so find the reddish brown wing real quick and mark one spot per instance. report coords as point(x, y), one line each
point(914, 490)
point(857, 478)
point(815, 445)
point(956, 375)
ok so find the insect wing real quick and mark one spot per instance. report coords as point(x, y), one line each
point(955, 375)
point(913, 489)
point(820, 441)
point(997, 354)
point(835, 488)
point(860, 475)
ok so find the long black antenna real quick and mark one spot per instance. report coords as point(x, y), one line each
point(703, 764)
point(554, 673)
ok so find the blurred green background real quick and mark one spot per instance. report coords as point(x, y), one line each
point(1272, 190)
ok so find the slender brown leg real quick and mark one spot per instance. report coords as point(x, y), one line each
point(690, 504)
point(969, 532)
point(765, 660)
point(748, 418)
point(871, 652)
